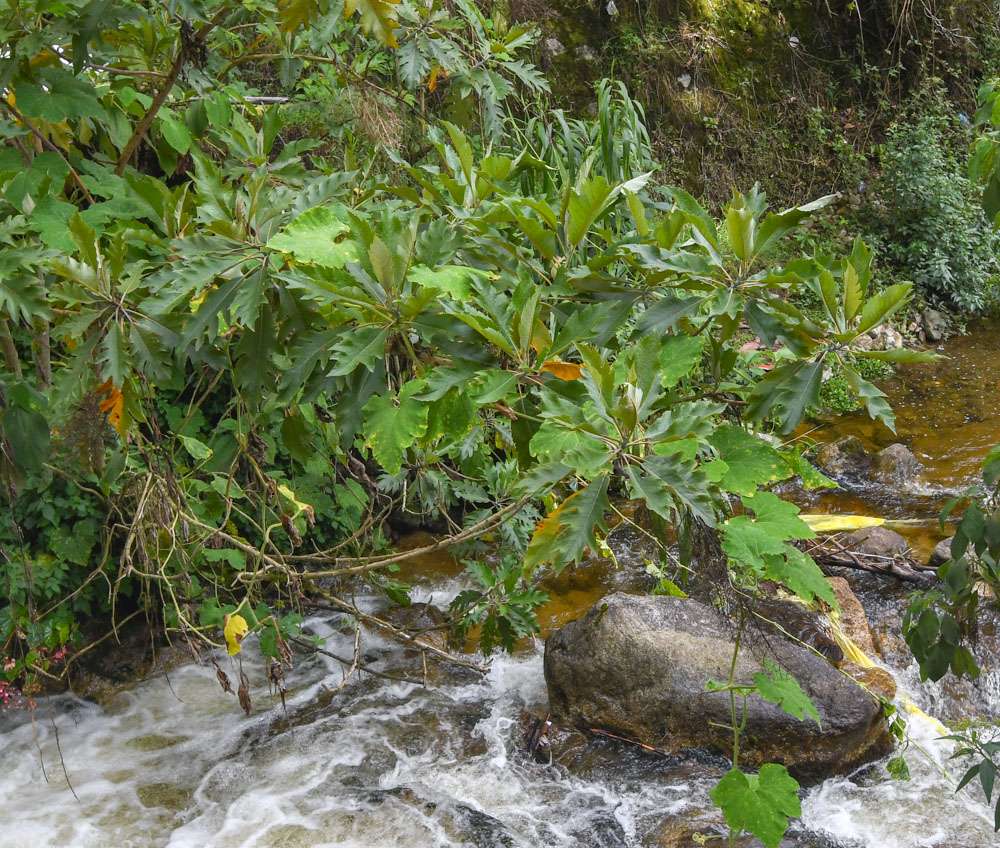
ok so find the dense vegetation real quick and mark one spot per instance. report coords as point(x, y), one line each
point(235, 355)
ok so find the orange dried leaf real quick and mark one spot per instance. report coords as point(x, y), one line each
point(563, 370)
point(432, 80)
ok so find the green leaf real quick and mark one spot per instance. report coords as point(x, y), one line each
point(898, 769)
point(237, 560)
point(753, 541)
point(760, 804)
point(27, 432)
point(786, 393)
point(679, 356)
point(198, 449)
point(752, 461)
point(585, 206)
point(63, 96)
point(799, 572)
point(178, 136)
point(782, 689)
point(51, 216)
point(359, 346)
point(392, 424)
point(566, 532)
point(670, 483)
point(882, 305)
point(77, 544)
point(453, 280)
point(873, 398)
point(555, 443)
point(312, 238)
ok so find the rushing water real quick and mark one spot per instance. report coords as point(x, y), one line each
point(395, 762)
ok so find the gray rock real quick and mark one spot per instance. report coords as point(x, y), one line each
point(585, 53)
point(895, 464)
point(941, 553)
point(876, 541)
point(934, 324)
point(553, 47)
point(637, 667)
point(845, 456)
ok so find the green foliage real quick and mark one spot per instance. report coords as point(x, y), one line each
point(761, 803)
point(931, 229)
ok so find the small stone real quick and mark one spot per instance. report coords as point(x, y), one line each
point(585, 53)
point(941, 553)
point(611, 9)
point(846, 455)
point(876, 541)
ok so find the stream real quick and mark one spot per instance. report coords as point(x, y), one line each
point(389, 761)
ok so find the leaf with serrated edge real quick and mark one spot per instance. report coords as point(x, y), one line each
point(758, 803)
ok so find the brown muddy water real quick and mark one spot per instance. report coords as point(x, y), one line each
point(436, 761)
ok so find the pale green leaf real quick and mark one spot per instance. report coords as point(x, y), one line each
point(760, 804)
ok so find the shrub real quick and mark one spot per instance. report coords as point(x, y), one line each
point(928, 220)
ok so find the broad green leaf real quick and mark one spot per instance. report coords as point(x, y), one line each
point(786, 394)
point(27, 432)
point(77, 544)
point(665, 313)
point(491, 386)
point(453, 280)
point(778, 224)
point(752, 461)
point(883, 304)
point(799, 572)
point(586, 204)
point(585, 453)
point(63, 96)
point(51, 216)
point(873, 398)
point(197, 448)
point(394, 424)
point(312, 238)
point(358, 347)
point(565, 533)
point(741, 227)
point(810, 476)
point(178, 136)
point(679, 356)
point(237, 560)
point(779, 687)
point(760, 804)
point(670, 484)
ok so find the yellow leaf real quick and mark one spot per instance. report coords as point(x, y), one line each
point(113, 405)
point(234, 628)
point(563, 370)
point(432, 80)
point(840, 523)
point(377, 17)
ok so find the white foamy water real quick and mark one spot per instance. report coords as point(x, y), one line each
point(388, 763)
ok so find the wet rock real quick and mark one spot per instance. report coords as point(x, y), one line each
point(941, 553)
point(853, 620)
point(637, 666)
point(845, 456)
point(425, 621)
point(548, 741)
point(877, 680)
point(895, 464)
point(934, 324)
point(876, 541)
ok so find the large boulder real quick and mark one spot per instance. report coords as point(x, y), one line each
point(895, 464)
point(637, 666)
point(846, 456)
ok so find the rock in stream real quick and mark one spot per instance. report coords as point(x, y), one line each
point(637, 667)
